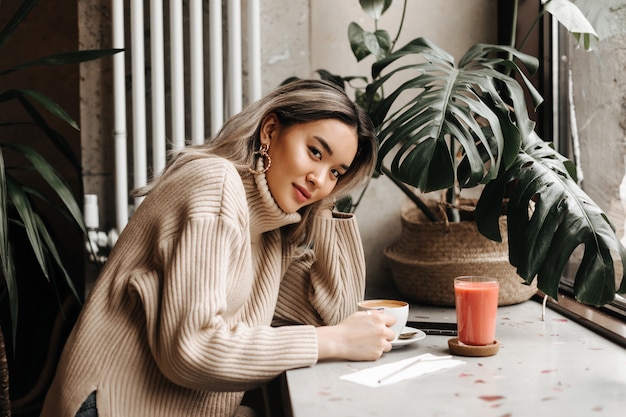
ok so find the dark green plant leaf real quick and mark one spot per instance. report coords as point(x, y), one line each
point(57, 140)
point(49, 174)
point(503, 59)
point(49, 104)
point(16, 20)
point(381, 47)
point(18, 124)
point(64, 58)
point(356, 35)
point(26, 212)
point(60, 209)
point(375, 8)
point(51, 250)
point(468, 177)
point(8, 268)
point(548, 217)
point(41, 243)
point(4, 227)
point(441, 102)
point(358, 42)
point(327, 76)
point(344, 204)
point(8, 95)
point(289, 80)
point(361, 98)
point(364, 43)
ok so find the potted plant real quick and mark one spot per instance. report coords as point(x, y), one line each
point(449, 126)
point(25, 205)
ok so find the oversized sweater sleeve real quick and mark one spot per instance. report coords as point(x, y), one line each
point(195, 332)
point(323, 285)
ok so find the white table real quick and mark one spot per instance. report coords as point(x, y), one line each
point(553, 367)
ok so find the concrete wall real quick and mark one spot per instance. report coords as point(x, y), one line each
point(599, 91)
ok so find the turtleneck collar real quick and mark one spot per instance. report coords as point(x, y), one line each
point(265, 215)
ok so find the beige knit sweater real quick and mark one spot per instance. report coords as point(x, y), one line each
point(179, 322)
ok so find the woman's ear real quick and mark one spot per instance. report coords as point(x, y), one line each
point(269, 125)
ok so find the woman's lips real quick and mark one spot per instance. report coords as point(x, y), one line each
point(302, 195)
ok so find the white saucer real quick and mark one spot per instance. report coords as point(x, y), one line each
point(419, 335)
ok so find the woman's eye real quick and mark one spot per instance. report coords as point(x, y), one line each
point(335, 173)
point(316, 152)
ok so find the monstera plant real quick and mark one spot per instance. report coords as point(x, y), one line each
point(23, 207)
point(444, 125)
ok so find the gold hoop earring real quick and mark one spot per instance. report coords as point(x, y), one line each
point(267, 161)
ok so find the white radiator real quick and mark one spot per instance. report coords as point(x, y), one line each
point(198, 56)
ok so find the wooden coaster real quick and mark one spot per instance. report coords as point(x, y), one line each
point(458, 348)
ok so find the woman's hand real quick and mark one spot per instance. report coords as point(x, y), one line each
point(360, 337)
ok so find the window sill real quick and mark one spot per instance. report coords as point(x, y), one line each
point(605, 325)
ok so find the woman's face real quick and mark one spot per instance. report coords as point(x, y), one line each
point(307, 159)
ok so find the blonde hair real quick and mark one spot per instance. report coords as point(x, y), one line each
point(299, 101)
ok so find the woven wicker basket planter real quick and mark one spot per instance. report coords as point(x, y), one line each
point(429, 255)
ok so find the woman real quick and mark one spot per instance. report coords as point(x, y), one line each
point(233, 269)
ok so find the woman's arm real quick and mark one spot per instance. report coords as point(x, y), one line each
point(323, 285)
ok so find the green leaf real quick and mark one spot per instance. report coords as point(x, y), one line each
point(42, 99)
point(344, 204)
point(57, 139)
point(64, 58)
point(440, 102)
point(16, 20)
point(548, 217)
point(8, 95)
point(375, 8)
point(4, 227)
point(26, 212)
point(51, 250)
point(33, 192)
point(49, 174)
point(356, 36)
point(289, 80)
point(490, 58)
point(381, 45)
point(327, 76)
point(8, 268)
point(41, 243)
point(364, 43)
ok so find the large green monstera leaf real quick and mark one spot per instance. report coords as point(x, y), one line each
point(548, 217)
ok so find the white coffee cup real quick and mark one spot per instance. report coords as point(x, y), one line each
point(398, 309)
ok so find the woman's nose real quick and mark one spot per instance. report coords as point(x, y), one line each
point(317, 179)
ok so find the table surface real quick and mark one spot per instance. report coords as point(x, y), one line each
point(544, 367)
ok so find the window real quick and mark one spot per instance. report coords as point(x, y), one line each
point(588, 127)
point(584, 114)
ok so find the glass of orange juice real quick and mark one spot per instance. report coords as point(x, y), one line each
point(476, 301)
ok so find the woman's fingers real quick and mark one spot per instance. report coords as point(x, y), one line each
point(387, 319)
